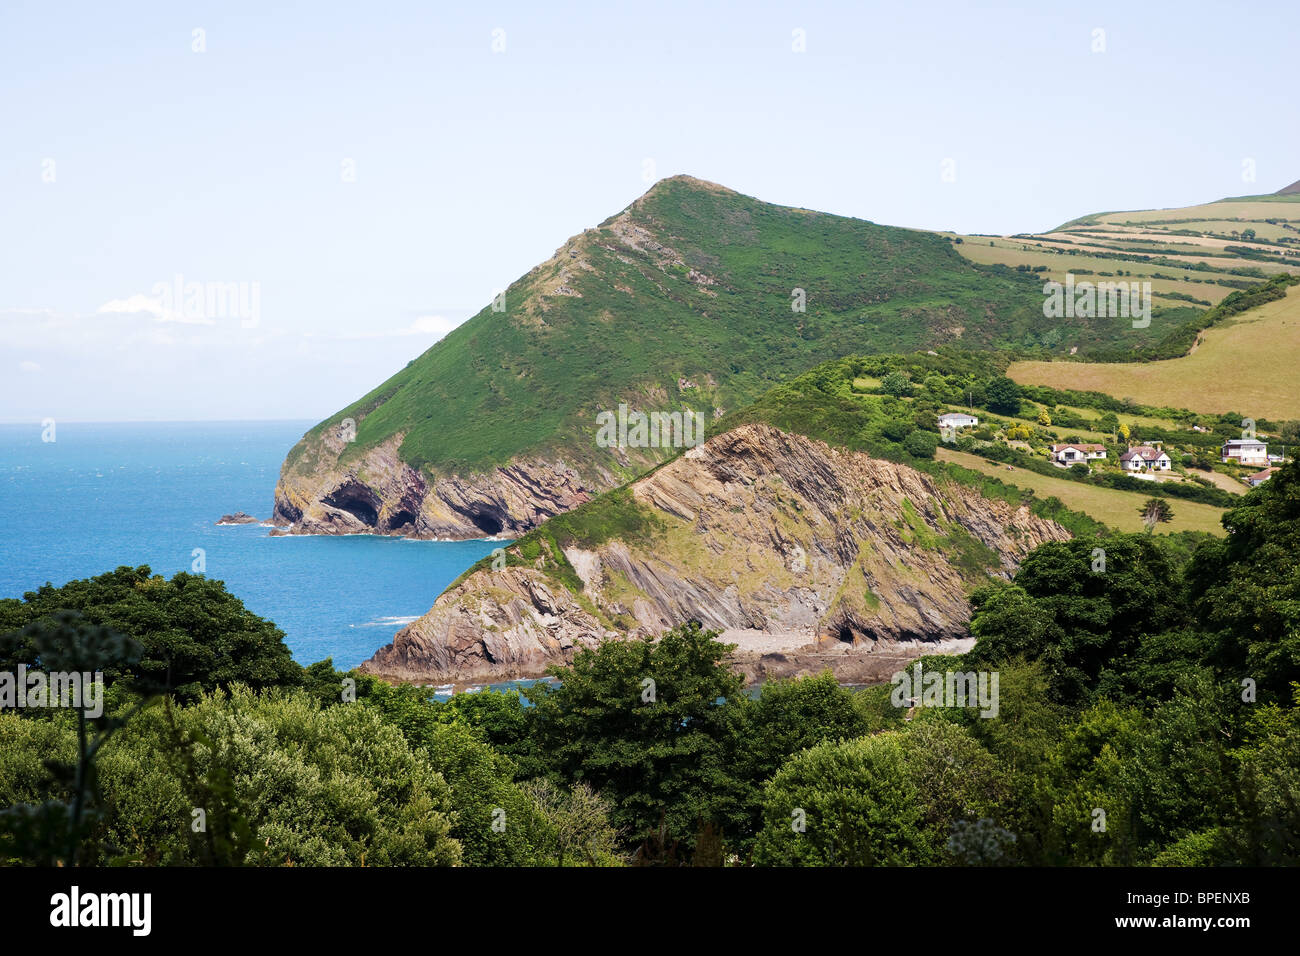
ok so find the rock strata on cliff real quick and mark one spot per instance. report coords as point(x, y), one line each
point(378, 493)
point(805, 555)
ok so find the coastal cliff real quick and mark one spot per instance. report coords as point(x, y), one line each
point(804, 555)
point(692, 298)
point(379, 493)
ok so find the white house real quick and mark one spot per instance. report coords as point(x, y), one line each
point(1259, 477)
point(1245, 451)
point(957, 420)
point(1145, 458)
point(1069, 454)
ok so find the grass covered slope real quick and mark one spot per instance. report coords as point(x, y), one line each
point(691, 281)
point(1193, 258)
point(1245, 363)
point(1116, 509)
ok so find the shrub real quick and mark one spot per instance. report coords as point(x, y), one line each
point(921, 444)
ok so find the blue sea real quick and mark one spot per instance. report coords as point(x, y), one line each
point(104, 495)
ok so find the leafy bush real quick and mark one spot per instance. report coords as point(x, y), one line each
point(316, 787)
point(921, 444)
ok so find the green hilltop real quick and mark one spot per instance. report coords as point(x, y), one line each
point(691, 282)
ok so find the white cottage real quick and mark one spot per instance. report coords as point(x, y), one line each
point(1259, 478)
point(1145, 458)
point(1069, 454)
point(957, 420)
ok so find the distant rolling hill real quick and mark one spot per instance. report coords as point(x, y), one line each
point(1244, 363)
point(682, 300)
point(1192, 256)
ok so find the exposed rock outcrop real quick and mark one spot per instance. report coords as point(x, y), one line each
point(239, 517)
point(378, 493)
point(803, 554)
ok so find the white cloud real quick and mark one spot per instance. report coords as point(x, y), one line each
point(139, 303)
point(123, 363)
point(133, 305)
point(121, 322)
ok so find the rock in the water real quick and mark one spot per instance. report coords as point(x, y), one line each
point(238, 517)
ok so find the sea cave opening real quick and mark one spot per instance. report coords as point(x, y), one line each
point(489, 524)
point(357, 500)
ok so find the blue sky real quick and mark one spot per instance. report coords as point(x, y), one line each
point(129, 158)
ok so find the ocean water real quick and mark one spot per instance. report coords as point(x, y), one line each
point(104, 495)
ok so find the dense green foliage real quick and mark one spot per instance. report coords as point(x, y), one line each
point(194, 635)
point(279, 765)
point(318, 787)
point(891, 799)
point(1086, 610)
point(1245, 588)
point(646, 724)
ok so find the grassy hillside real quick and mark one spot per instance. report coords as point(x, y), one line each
point(838, 404)
point(1113, 508)
point(1193, 257)
point(1246, 364)
point(1222, 254)
point(693, 281)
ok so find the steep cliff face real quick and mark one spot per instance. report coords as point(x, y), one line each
point(379, 493)
point(803, 554)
